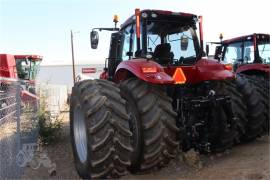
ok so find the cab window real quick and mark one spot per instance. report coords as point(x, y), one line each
point(264, 52)
point(248, 52)
point(233, 53)
point(127, 43)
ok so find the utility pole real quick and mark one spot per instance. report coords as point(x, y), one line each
point(72, 51)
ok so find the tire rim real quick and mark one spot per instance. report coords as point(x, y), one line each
point(80, 134)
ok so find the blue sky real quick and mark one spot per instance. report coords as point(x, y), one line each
point(43, 26)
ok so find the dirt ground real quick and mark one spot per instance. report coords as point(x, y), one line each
point(245, 161)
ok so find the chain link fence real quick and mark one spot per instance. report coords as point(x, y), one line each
point(18, 126)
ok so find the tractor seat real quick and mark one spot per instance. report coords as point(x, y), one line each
point(163, 54)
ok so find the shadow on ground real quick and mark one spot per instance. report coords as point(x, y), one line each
point(245, 161)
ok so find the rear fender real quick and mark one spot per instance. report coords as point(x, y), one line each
point(210, 70)
point(254, 69)
point(203, 70)
point(135, 67)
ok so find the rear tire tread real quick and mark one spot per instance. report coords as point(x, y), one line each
point(108, 134)
point(157, 122)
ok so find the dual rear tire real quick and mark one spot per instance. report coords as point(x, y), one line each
point(154, 127)
point(99, 128)
point(262, 84)
point(247, 106)
point(114, 129)
point(255, 108)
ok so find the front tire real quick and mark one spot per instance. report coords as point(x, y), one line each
point(100, 134)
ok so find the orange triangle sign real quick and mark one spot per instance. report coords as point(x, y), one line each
point(179, 76)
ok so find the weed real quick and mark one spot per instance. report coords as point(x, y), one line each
point(49, 130)
point(49, 127)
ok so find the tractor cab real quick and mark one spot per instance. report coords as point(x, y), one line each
point(166, 38)
point(251, 50)
point(27, 66)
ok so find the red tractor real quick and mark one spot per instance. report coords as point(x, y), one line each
point(157, 95)
point(250, 58)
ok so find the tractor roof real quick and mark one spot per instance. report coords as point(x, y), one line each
point(260, 36)
point(33, 57)
point(159, 12)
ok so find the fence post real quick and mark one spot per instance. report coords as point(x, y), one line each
point(18, 112)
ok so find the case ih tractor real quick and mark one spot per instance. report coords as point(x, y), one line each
point(250, 58)
point(157, 95)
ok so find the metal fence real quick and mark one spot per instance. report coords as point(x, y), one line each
point(18, 126)
point(56, 97)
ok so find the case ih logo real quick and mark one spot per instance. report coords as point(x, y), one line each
point(89, 70)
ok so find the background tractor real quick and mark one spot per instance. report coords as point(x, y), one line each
point(27, 69)
point(250, 58)
point(157, 94)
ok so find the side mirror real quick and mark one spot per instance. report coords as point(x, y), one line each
point(184, 43)
point(218, 53)
point(94, 39)
point(207, 49)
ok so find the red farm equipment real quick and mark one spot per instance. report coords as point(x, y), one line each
point(27, 69)
point(157, 95)
point(23, 68)
point(249, 57)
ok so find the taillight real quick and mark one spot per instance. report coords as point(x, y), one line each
point(149, 69)
point(228, 67)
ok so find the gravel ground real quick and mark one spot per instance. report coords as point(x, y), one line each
point(245, 161)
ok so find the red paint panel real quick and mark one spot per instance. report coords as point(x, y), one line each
point(162, 12)
point(135, 67)
point(243, 38)
point(7, 66)
point(33, 57)
point(203, 70)
point(254, 67)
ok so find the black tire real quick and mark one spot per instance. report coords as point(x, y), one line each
point(98, 106)
point(239, 108)
point(227, 118)
point(262, 83)
point(221, 133)
point(255, 108)
point(154, 128)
